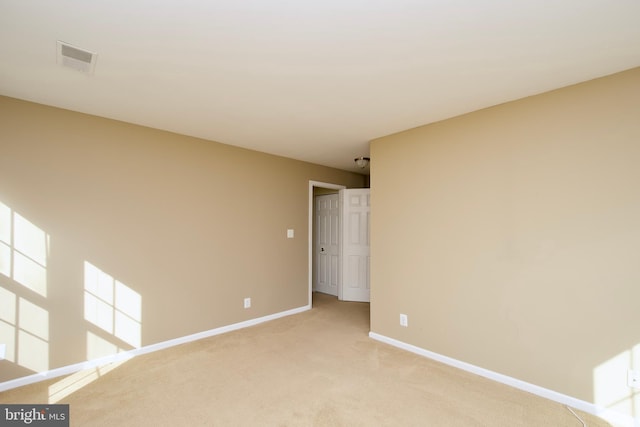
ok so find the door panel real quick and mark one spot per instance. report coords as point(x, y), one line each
point(326, 250)
point(356, 208)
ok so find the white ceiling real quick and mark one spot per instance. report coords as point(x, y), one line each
point(310, 80)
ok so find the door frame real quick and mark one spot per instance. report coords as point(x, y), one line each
point(318, 184)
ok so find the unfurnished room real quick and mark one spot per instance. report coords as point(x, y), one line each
point(339, 213)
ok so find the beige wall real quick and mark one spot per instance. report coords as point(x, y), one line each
point(511, 236)
point(190, 226)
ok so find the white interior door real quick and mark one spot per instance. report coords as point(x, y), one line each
point(354, 244)
point(326, 244)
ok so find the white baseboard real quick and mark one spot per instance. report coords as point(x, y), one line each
point(611, 416)
point(70, 369)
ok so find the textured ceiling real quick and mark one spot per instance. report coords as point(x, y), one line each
point(314, 81)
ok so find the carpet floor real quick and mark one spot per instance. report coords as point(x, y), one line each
point(317, 368)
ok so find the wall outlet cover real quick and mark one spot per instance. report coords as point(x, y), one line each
point(3, 351)
point(247, 302)
point(404, 320)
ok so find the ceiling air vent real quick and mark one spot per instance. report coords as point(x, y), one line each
point(76, 58)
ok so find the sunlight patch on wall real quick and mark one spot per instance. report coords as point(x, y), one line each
point(24, 328)
point(30, 256)
point(34, 352)
point(610, 386)
point(24, 324)
point(99, 347)
point(7, 323)
point(128, 315)
point(5, 240)
point(23, 251)
point(33, 336)
point(112, 306)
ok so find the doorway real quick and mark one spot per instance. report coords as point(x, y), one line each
point(339, 241)
point(317, 188)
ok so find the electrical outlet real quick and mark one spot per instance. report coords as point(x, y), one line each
point(247, 302)
point(404, 320)
point(3, 351)
point(633, 378)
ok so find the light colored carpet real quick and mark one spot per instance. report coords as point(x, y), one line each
point(317, 368)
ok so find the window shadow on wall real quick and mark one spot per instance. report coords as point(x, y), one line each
point(112, 310)
point(610, 383)
point(24, 318)
point(113, 313)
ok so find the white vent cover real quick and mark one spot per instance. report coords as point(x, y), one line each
point(73, 57)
